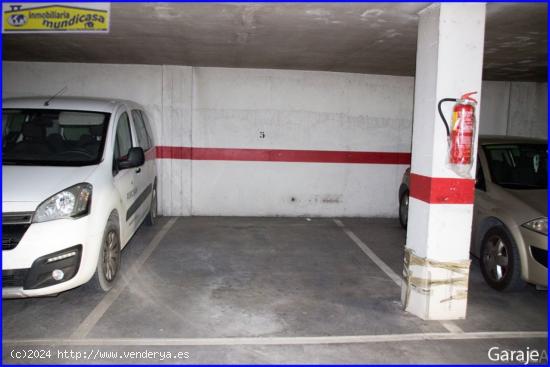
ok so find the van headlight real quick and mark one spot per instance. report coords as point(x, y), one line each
point(539, 225)
point(72, 202)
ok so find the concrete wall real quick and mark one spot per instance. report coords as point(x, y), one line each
point(174, 128)
point(514, 108)
point(305, 111)
point(274, 109)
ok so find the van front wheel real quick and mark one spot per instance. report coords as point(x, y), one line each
point(108, 264)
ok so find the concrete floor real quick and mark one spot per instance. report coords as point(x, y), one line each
point(264, 290)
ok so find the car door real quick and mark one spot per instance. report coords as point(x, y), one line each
point(125, 180)
point(144, 175)
point(150, 153)
point(481, 202)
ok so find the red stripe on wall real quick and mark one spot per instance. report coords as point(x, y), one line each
point(165, 152)
point(151, 154)
point(435, 190)
point(282, 155)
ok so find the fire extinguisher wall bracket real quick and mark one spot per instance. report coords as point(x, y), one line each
point(443, 116)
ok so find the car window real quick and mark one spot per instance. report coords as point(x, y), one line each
point(53, 137)
point(148, 128)
point(123, 141)
point(518, 166)
point(141, 131)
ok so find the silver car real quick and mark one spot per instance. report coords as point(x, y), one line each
point(510, 224)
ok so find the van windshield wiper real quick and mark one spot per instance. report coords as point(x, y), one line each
point(11, 162)
point(8, 162)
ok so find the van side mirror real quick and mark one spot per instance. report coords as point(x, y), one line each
point(135, 158)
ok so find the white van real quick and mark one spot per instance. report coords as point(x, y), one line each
point(78, 179)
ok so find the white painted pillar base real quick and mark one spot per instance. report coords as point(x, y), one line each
point(449, 64)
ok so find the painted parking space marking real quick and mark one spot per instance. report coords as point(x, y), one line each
point(297, 340)
point(91, 320)
point(449, 325)
point(367, 251)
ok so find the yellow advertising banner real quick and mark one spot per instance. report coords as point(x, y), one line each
point(55, 17)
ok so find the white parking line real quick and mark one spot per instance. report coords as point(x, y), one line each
point(298, 340)
point(449, 325)
point(381, 264)
point(91, 320)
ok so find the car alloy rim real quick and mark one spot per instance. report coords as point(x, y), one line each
point(495, 258)
point(405, 208)
point(110, 256)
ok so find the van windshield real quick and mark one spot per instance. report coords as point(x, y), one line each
point(53, 137)
point(518, 166)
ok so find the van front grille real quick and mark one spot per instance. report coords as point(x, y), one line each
point(14, 226)
point(14, 278)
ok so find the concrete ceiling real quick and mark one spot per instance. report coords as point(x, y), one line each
point(376, 38)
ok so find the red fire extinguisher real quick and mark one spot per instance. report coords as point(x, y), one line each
point(461, 133)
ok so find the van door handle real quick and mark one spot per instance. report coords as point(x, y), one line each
point(138, 170)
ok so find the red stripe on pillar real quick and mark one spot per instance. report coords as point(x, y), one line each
point(434, 190)
point(282, 155)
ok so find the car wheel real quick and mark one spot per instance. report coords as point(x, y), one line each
point(499, 260)
point(151, 218)
point(108, 264)
point(404, 209)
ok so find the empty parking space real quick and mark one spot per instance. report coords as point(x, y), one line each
point(244, 284)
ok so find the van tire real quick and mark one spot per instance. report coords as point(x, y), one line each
point(108, 263)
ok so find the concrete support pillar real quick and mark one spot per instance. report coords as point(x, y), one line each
point(448, 64)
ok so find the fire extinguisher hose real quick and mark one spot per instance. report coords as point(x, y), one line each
point(441, 113)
